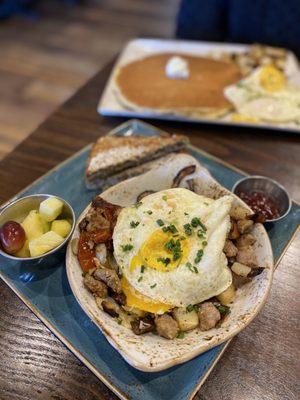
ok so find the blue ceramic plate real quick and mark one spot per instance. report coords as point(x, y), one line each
point(44, 288)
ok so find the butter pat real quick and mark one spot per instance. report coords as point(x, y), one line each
point(177, 68)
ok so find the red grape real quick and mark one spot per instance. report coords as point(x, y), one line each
point(12, 237)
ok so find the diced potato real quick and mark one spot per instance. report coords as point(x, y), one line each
point(240, 269)
point(24, 252)
point(51, 208)
point(227, 296)
point(234, 232)
point(44, 243)
point(239, 212)
point(34, 225)
point(61, 226)
point(245, 225)
point(185, 319)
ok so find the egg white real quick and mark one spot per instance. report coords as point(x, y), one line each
point(251, 99)
point(180, 286)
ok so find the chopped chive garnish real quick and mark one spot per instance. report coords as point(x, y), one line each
point(165, 198)
point(180, 335)
point(190, 308)
point(127, 247)
point(199, 256)
point(222, 309)
point(204, 243)
point(206, 204)
point(149, 212)
point(138, 204)
point(186, 213)
point(200, 234)
point(160, 222)
point(153, 286)
point(203, 226)
point(192, 268)
point(134, 224)
point(143, 269)
point(188, 229)
point(140, 278)
point(170, 228)
point(119, 320)
point(174, 247)
point(164, 260)
point(195, 222)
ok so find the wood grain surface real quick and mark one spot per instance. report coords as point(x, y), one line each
point(261, 363)
point(44, 60)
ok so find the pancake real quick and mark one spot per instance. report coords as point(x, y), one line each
point(143, 85)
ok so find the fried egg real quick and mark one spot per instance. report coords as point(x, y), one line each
point(266, 95)
point(169, 248)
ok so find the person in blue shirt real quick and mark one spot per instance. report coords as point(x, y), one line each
point(272, 22)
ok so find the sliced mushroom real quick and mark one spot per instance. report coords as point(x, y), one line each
point(166, 326)
point(110, 277)
point(229, 249)
point(96, 287)
point(255, 271)
point(191, 185)
point(142, 325)
point(144, 194)
point(120, 298)
point(111, 307)
point(182, 174)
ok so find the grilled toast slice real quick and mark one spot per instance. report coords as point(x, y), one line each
point(118, 157)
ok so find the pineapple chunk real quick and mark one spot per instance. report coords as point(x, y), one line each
point(34, 225)
point(61, 226)
point(44, 243)
point(24, 252)
point(51, 208)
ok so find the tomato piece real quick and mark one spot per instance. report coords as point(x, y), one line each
point(101, 236)
point(85, 253)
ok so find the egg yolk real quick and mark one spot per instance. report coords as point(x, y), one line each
point(271, 79)
point(137, 300)
point(155, 254)
point(243, 118)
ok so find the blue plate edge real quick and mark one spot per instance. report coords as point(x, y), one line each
point(63, 338)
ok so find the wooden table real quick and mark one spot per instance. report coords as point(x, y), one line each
point(261, 363)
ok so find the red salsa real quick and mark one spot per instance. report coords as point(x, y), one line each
point(263, 205)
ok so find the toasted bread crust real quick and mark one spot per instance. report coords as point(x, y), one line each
point(113, 154)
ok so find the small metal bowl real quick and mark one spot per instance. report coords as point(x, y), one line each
point(267, 186)
point(18, 209)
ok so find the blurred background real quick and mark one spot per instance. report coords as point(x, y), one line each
point(49, 48)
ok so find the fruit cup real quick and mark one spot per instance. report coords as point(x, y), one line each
point(18, 209)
